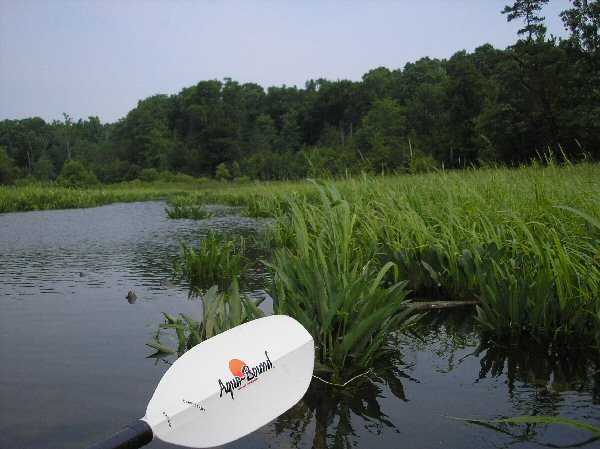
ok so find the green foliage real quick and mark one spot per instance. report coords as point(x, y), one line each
point(382, 136)
point(217, 260)
point(261, 206)
point(29, 194)
point(421, 164)
point(192, 212)
point(117, 171)
point(323, 162)
point(327, 281)
point(522, 242)
point(574, 424)
point(528, 11)
point(582, 21)
point(541, 286)
point(44, 169)
point(489, 106)
point(149, 174)
point(496, 236)
point(221, 311)
point(532, 420)
point(222, 173)
point(74, 174)
point(8, 170)
point(236, 170)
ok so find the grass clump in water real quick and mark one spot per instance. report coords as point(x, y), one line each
point(523, 243)
point(221, 311)
point(218, 260)
point(328, 281)
point(190, 212)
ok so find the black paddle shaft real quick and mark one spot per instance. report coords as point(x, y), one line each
point(135, 435)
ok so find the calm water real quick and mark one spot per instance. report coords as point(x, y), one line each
point(74, 365)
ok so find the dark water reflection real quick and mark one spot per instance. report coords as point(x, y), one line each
point(73, 365)
point(443, 371)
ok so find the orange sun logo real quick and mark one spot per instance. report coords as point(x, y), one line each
point(236, 366)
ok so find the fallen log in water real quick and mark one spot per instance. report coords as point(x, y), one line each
point(438, 304)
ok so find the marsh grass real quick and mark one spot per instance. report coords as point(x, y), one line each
point(522, 242)
point(555, 420)
point(327, 280)
point(218, 260)
point(221, 311)
point(257, 207)
point(189, 212)
point(53, 196)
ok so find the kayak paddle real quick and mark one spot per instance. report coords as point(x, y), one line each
point(226, 387)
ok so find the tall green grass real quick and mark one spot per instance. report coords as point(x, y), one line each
point(523, 243)
point(219, 259)
point(190, 212)
point(52, 196)
point(329, 281)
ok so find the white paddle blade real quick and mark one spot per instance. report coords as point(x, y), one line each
point(232, 384)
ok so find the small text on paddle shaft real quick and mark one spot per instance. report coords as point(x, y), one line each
point(167, 418)
point(194, 404)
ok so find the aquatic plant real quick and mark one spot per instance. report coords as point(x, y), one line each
point(327, 281)
point(541, 287)
point(46, 196)
point(573, 423)
point(219, 259)
point(190, 212)
point(263, 206)
point(503, 425)
point(502, 237)
point(221, 311)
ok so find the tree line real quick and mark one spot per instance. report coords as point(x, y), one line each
point(540, 95)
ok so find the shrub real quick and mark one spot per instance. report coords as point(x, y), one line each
point(74, 174)
point(149, 174)
point(222, 173)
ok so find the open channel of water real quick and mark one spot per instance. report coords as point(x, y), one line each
point(74, 365)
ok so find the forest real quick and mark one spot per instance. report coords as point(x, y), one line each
point(537, 97)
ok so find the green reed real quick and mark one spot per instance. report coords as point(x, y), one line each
point(503, 425)
point(221, 311)
point(328, 281)
point(522, 242)
point(261, 206)
point(190, 212)
point(219, 259)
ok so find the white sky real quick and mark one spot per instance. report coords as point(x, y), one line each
point(89, 58)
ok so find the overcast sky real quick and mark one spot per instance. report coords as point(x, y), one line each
point(98, 58)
